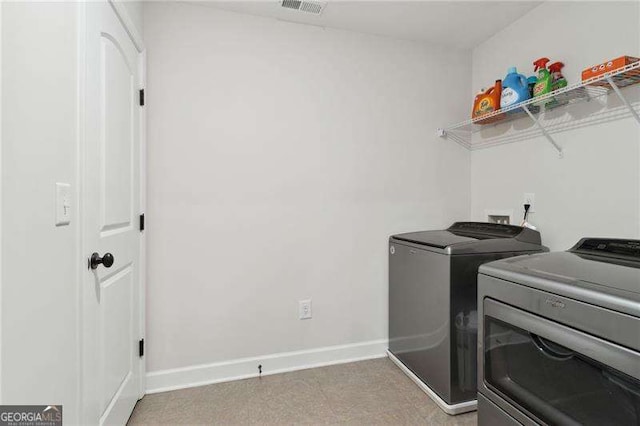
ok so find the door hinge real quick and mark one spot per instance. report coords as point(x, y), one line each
point(141, 97)
point(141, 348)
point(142, 222)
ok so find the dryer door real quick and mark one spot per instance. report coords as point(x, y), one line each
point(556, 374)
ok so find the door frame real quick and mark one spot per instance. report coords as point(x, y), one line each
point(136, 38)
point(1, 145)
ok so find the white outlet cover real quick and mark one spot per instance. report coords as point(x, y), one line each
point(304, 309)
point(529, 198)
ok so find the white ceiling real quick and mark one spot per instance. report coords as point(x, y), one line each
point(460, 24)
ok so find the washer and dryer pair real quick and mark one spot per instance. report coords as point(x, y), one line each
point(555, 336)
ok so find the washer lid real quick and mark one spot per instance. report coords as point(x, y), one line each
point(477, 237)
point(440, 239)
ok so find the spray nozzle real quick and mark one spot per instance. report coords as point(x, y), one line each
point(540, 63)
point(556, 67)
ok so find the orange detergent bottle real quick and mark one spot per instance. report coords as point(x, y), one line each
point(487, 102)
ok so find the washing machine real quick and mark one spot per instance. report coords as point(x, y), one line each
point(433, 320)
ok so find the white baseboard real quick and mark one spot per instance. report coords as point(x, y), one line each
point(243, 368)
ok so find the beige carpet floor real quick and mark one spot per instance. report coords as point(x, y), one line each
point(371, 392)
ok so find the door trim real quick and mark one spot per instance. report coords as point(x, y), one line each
point(127, 22)
point(142, 259)
point(1, 6)
point(79, 209)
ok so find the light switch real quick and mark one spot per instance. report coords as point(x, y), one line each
point(63, 204)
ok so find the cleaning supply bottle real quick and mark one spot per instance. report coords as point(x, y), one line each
point(558, 79)
point(558, 82)
point(515, 89)
point(545, 79)
point(487, 101)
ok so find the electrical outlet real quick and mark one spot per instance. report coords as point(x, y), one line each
point(529, 198)
point(304, 309)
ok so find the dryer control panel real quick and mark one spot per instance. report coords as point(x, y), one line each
point(609, 247)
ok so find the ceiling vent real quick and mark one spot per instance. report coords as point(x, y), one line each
point(315, 7)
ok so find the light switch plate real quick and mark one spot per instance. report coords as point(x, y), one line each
point(63, 204)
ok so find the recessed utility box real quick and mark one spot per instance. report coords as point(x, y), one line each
point(504, 217)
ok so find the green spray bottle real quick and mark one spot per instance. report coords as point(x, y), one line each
point(545, 79)
point(559, 82)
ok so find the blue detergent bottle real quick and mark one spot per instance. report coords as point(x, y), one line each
point(515, 89)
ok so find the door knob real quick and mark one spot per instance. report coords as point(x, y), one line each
point(95, 260)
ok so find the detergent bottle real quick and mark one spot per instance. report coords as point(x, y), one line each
point(545, 79)
point(515, 89)
point(487, 101)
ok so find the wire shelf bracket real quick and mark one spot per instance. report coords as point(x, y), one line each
point(546, 134)
point(623, 99)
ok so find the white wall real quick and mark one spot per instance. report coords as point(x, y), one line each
point(595, 189)
point(40, 264)
point(281, 157)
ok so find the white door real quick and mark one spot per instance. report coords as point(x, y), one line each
point(111, 295)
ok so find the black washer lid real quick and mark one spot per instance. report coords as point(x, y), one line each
point(439, 239)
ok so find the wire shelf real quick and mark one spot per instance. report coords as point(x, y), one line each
point(533, 108)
